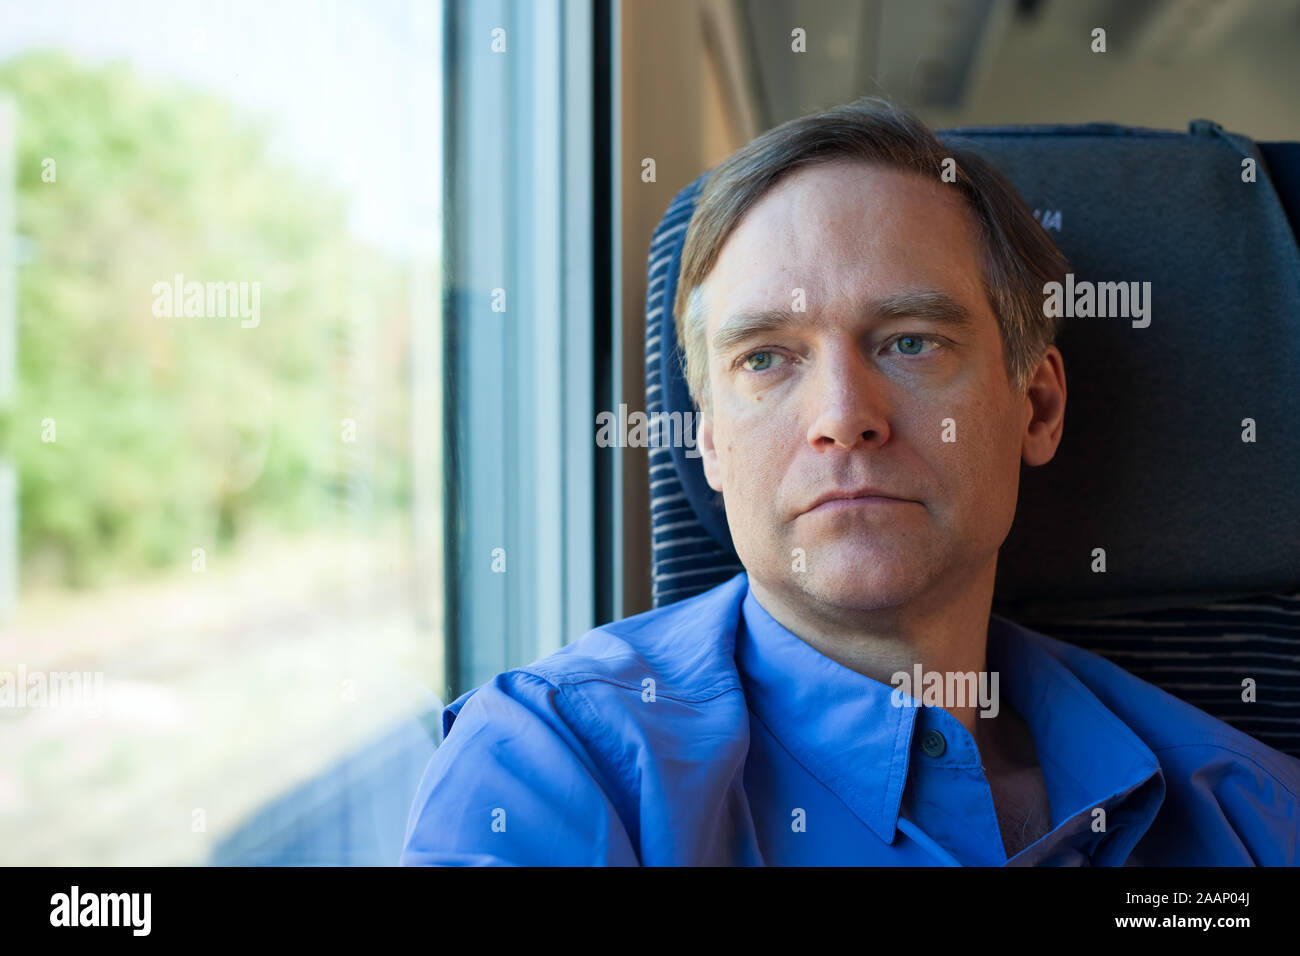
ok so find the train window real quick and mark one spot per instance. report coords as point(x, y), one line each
point(221, 526)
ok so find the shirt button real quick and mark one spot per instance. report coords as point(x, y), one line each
point(933, 744)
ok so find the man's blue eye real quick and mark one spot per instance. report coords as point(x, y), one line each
point(762, 365)
point(911, 344)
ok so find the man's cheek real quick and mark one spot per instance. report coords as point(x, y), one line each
point(746, 471)
point(945, 448)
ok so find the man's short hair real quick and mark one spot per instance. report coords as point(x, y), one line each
point(1019, 256)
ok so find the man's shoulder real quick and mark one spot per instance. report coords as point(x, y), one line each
point(1167, 724)
point(684, 651)
point(686, 648)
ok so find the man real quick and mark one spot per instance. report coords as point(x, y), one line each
point(861, 315)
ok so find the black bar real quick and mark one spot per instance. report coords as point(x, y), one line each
point(605, 309)
point(906, 907)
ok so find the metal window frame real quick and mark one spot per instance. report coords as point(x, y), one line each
point(519, 400)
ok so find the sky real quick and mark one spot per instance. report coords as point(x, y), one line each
point(354, 88)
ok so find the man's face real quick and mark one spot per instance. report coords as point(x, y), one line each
point(895, 348)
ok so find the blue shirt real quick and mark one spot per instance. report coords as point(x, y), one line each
point(707, 733)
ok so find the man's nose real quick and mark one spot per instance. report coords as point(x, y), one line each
point(848, 401)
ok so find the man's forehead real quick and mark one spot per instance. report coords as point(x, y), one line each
point(823, 236)
point(841, 189)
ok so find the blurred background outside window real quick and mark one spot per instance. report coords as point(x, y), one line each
point(231, 513)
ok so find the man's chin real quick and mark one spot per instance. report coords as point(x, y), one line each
point(862, 587)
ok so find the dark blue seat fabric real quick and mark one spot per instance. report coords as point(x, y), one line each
point(1202, 581)
point(691, 545)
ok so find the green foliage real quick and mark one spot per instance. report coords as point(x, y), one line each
point(175, 432)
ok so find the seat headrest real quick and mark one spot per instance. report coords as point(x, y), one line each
point(1152, 466)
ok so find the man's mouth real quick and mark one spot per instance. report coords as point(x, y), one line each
point(846, 504)
point(836, 501)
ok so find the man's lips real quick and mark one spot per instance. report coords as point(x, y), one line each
point(862, 498)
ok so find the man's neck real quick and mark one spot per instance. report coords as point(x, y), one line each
point(945, 634)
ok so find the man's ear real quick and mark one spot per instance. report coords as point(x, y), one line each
point(1045, 414)
point(709, 452)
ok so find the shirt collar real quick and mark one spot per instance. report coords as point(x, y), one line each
point(1088, 754)
point(837, 723)
point(842, 727)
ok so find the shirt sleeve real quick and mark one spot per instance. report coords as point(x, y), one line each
point(514, 783)
point(1259, 808)
point(1229, 811)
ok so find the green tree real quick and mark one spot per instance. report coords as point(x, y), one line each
point(177, 432)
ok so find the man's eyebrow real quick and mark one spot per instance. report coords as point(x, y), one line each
point(929, 304)
point(744, 325)
point(924, 304)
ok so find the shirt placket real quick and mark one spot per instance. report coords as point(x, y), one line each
point(947, 796)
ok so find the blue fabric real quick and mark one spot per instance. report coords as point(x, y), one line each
point(691, 544)
point(1283, 163)
point(1202, 654)
point(695, 733)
